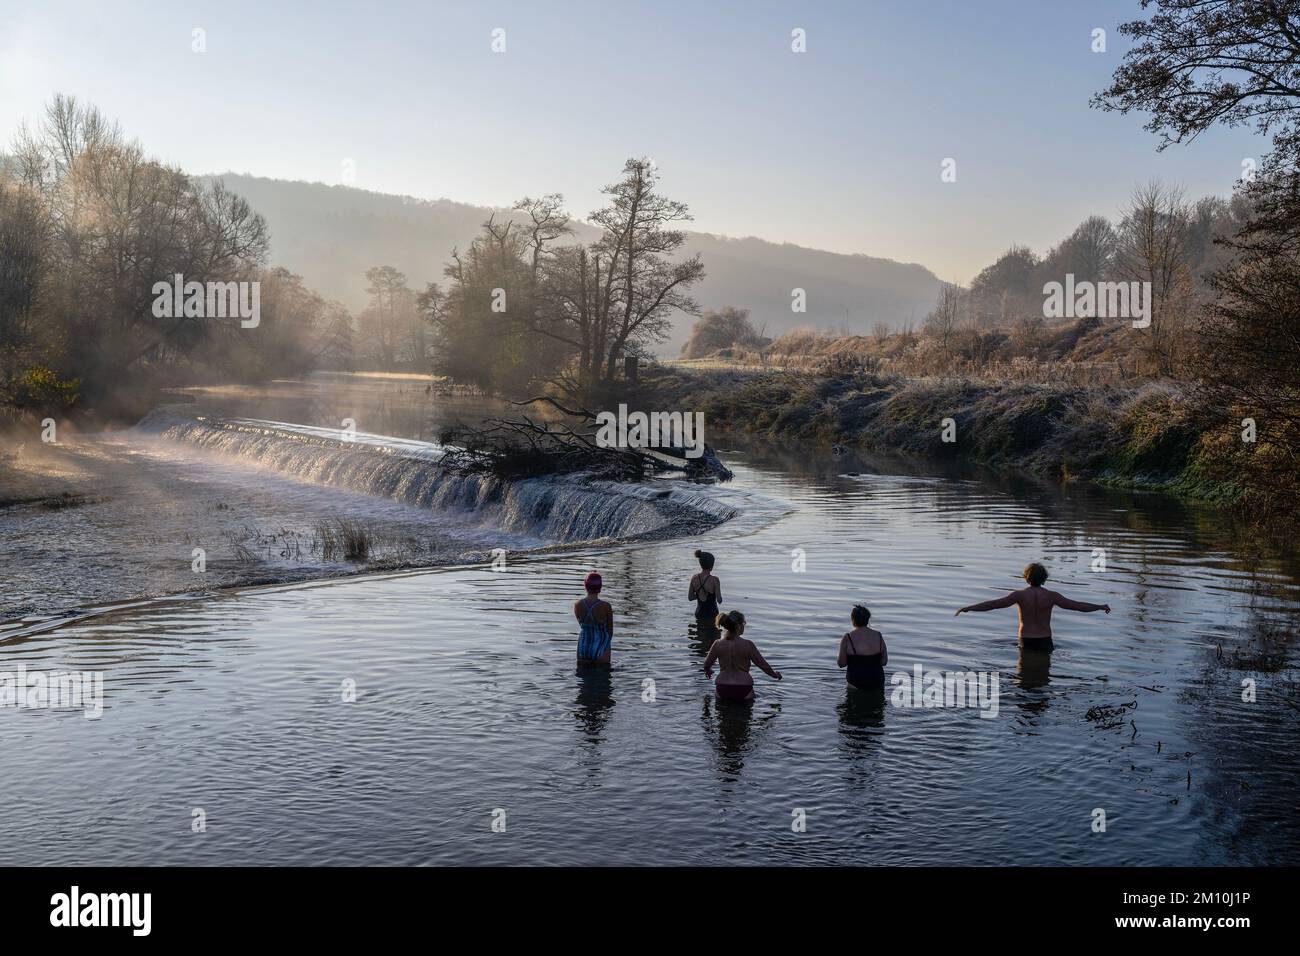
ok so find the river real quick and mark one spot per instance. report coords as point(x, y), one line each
point(434, 714)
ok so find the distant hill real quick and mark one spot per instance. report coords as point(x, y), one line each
point(332, 234)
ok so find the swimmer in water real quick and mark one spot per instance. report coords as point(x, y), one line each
point(1036, 603)
point(595, 623)
point(705, 591)
point(733, 654)
point(863, 652)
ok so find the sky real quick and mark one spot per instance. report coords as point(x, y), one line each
point(840, 147)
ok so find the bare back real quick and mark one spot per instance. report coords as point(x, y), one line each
point(733, 655)
point(1036, 611)
point(1036, 605)
point(705, 583)
point(863, 640)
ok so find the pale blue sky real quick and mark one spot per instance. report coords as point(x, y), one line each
point(837, 148)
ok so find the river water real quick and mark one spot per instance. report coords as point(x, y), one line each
point(474, 739)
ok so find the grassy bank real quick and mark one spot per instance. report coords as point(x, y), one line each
point(1147, 437)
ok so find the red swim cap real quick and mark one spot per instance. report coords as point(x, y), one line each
point(592, 581)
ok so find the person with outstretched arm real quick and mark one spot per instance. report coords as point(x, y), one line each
point(1036, 603)
point(733, 654)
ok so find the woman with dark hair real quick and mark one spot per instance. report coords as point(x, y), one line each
point(863, 652)
point(705, 590)
point(733, 655)
point(1035, 603)
point(595, 623)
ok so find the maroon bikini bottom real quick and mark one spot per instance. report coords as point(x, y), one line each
point(734, 691)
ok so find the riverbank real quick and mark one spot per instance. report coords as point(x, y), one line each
point(1149, 437)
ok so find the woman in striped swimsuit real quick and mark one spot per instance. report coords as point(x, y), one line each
point(595, 623)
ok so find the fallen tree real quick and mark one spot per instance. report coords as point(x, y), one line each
point(511, 449)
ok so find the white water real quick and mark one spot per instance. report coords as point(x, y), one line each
point(257, 497)
point(554, 509)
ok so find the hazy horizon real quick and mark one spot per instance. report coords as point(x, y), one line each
point(731, 115)
point(331, 235)
point(582, 218)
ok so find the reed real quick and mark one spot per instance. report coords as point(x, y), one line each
point(344, 538)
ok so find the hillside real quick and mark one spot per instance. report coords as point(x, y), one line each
point(332, 234)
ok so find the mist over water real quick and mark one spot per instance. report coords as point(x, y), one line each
point(557, 509)
point(468, 699)
point(259, 496)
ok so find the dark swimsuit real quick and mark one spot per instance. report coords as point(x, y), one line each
point(734, 691)
point(865, 671)
point(706, 603)
point(1037, 643)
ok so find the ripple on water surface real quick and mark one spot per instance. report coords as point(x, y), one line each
point(468, 699)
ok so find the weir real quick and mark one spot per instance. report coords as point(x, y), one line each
point(560, 509)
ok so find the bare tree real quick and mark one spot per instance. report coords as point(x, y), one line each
point(643, 286)
point(1153, 248)
point(945, 319)
point(1003, 290)
point(1089, 252)
point(1200, 63)
point(547, 221)
point(720, 329)
point(120, 222)
point(1196, 63)
point(23, 265)
point(388, 321)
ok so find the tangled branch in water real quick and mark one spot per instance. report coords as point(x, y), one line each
point(511, 449)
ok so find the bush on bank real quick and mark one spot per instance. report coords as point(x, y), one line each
point(1149, 437)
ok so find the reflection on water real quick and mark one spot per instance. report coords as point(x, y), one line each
point(861, 712)
point(702, 634)
point(735, 728)
point(595, 698)
point(1034, 673)
point(468, 700)
point(396, 405)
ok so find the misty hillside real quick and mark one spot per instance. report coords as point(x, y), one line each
point(332, 234)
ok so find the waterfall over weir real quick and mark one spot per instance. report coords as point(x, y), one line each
point(558, 509)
